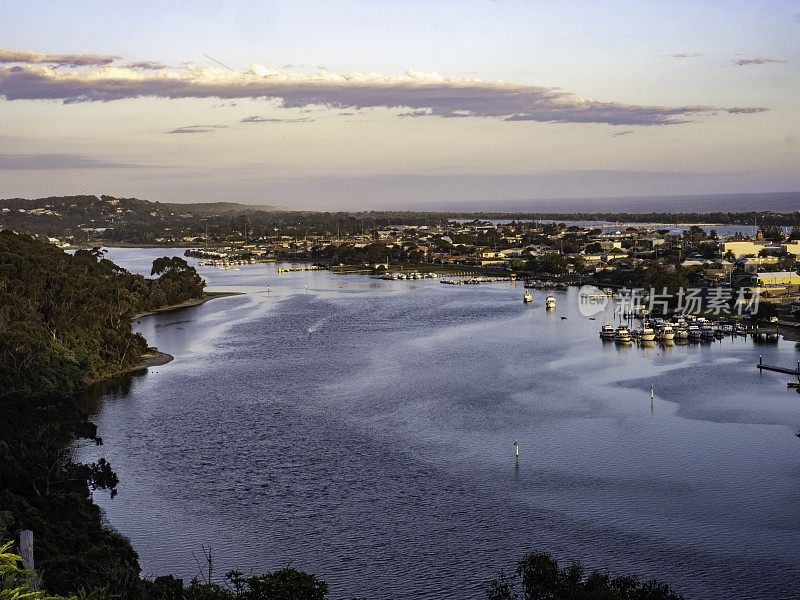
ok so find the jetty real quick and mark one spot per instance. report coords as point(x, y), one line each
point(787, 370)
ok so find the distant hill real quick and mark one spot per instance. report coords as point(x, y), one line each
point(86, 218)
point(212, 209)
point(200, 209)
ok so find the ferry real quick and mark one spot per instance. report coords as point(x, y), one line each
point(607, 331)
point(622, 335)
point(550, 302)
point(527, 298)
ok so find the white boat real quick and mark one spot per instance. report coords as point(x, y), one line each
point(550, 302)
point(648, 334)
point(681, 333)
point(667, 333)
point(607, 331)
point(694, 332)
point(527, 298)
point(622, 335)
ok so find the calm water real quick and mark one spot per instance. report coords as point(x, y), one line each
point(377, 450)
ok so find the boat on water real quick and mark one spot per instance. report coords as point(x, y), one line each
point(706, 332)
point(693, 331)
point(681, 332)
point(648, 334)
point(622, 335)
point(527, 298)
point(607, 331)
point(550, 302)
point(666, 332)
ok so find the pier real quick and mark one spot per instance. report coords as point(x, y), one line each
point(788, 370)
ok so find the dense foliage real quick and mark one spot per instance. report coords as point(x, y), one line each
point(538, 577)
point(65, 320)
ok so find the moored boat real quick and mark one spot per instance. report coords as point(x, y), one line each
point(622, 335)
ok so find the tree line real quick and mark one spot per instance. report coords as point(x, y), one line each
point(65, 321)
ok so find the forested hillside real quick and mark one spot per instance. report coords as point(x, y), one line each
point(66, 320)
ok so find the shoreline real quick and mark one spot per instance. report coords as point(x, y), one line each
point(148, 359)
point(154, 357)
point(186, 304)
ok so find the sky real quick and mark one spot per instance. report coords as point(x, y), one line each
point(382, 104)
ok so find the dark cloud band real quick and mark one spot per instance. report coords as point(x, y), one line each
point(419, 93)
point(72, 60)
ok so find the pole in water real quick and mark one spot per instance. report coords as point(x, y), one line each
point(651, 395)
point(516, 449)
point(306, 287)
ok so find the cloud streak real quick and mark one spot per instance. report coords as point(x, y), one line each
point(256, 119)
point(761, 60)
point(197, 128)
point(745, 110)
point(420, 93)
point(146, 65)
point(69, 60)
point(57, 161)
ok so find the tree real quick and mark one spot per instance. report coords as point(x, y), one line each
point(538, 577)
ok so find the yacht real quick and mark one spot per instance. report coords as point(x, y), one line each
point(550, 302)
point(681, 332)
point(622, 335)
point(607, 331)
point(527, 298)
point(648, 334)
point(693, 332)
point(667, 332)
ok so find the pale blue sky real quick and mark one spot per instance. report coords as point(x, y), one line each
point(310, 156)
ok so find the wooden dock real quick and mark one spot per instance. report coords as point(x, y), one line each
point(789, 371)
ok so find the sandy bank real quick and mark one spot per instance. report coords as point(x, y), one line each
point(188, 303)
